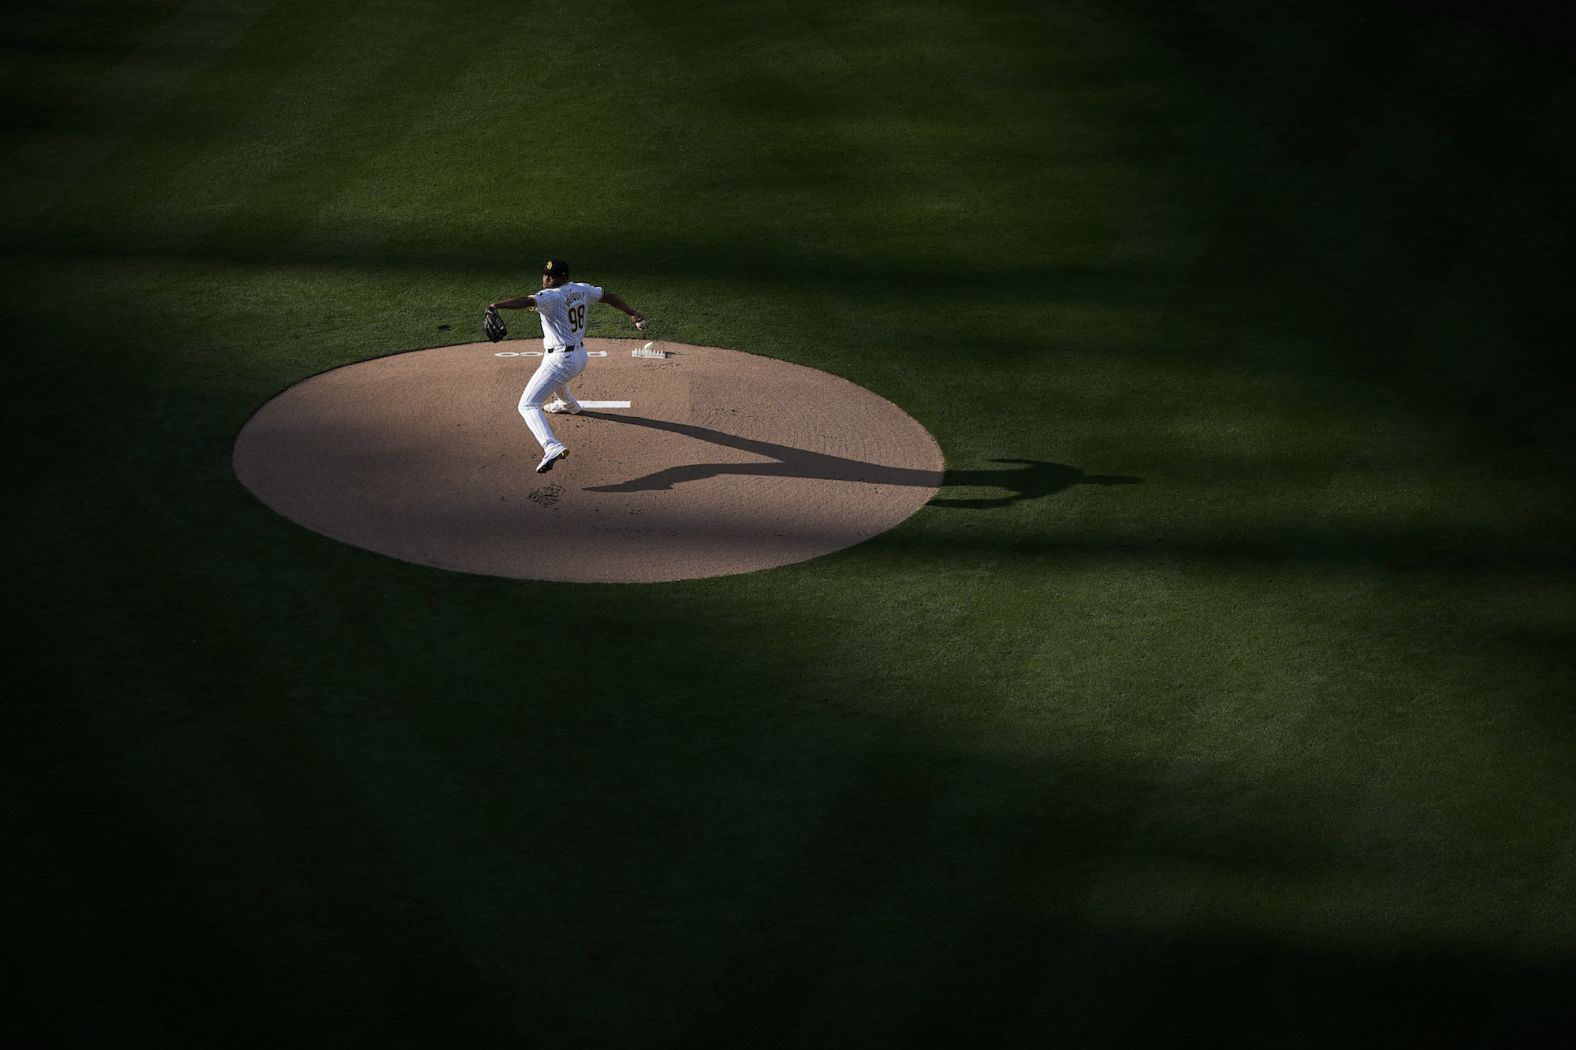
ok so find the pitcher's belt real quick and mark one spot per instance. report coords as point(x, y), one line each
point(560, 349)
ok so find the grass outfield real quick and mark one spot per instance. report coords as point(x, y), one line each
point(1273, 748)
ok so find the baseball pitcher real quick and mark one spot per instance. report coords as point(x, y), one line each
point(562, 305)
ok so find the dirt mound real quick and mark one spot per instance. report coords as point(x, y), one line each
point(722, 462)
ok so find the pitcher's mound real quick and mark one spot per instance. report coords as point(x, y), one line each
point(722, 462)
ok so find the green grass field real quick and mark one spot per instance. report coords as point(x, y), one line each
point(1274, 748)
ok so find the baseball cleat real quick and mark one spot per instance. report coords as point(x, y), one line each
point(552, 458)
point(559, 405)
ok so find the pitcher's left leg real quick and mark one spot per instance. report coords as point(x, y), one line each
point(541, 383)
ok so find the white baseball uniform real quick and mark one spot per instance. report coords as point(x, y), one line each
point(564, 320)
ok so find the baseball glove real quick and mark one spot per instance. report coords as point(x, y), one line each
point(493, 324)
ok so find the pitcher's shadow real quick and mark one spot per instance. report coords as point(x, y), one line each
point(1023, 479)
point(1020, 479)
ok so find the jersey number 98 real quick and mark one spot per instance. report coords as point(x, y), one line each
point(577, 317)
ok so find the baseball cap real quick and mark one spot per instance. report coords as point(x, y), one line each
point(556, 268)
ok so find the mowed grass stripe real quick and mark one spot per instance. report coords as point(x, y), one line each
point(410, 85)
point(288, 88)
point(587, 834)
point(49, 50)
point(238, 125)
point(1396, 802)
point(1363, 222)
point(55, 170)
point(137, 815)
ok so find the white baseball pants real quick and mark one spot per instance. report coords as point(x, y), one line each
point(551, 379)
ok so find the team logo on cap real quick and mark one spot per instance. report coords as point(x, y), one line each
point(549, 264)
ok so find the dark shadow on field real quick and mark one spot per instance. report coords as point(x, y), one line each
point(1561, 1038)
point(174, 942)
point(386, 871)
point(1447, 550)
point(1535, 21)
point(1022, 479)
